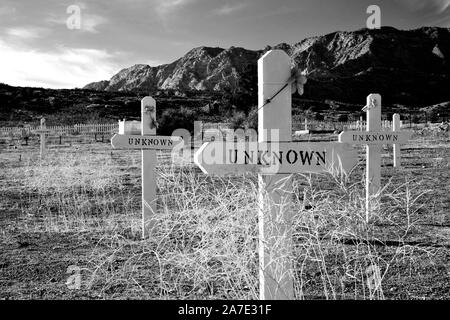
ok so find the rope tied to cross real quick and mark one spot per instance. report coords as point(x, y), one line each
point(150, 111)
point(372, 104)
point(297, 80)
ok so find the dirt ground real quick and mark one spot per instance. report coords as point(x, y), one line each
point(48, 235)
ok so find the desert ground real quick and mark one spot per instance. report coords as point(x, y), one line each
point(78, 212)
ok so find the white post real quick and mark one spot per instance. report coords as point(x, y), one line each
point(42, 135)
point(274, 216)
point(373, 166)
point(148, 127)
point(396, 147)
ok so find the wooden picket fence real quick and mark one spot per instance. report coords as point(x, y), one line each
point(362, 125)
point(77, 129)
point(338, 126)
point(211, 129)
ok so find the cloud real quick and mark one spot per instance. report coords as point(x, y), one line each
point(432, 12)
point(440, 5)
point(436, 6)
point(90, 22)
point(164, 7)
point(5, 10)
point(444, 4)
point(63, 68)
point(228, 9)
point(443, 21)
point(25, 33)
point(167, 11)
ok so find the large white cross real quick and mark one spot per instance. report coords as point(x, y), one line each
point(274, 158)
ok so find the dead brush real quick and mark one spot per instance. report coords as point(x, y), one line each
point(340, 256)
point(206, 243)
point(66, 193)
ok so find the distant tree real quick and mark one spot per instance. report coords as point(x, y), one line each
point(172, 119)
point(238, 120)
point(319, 116)
point(251, 121)
point(342, 118)
point(309, 113)
point(243, 101)
point(267, 48)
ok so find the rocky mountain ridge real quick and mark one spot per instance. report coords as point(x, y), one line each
point(410, 67)
point(202, 68)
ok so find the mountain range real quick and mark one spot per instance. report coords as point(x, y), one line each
point(410, 67)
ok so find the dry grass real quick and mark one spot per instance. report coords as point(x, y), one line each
point(206, 243)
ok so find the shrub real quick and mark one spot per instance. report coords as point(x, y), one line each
point(237, 120)
point(342, 118)
point(172, 119)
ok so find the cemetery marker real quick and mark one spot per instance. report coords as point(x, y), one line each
point(274, 158)
point(148, 123)
point(373, 138)
point(275, 191)
point(42, 132)
point(148, 142)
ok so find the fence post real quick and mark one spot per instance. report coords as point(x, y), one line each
point(274, 214)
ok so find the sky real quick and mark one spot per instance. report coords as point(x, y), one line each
point(68, 44)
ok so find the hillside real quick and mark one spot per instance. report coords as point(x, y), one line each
point(406, 67)
point(202, 69)
point(24, 105)
point(410, 69)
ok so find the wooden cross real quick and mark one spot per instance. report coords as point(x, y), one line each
point(373, 138)
point(148, 142)
point(274, 157)
point(43, 131)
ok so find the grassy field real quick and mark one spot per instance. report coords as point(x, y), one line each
point(77, 213)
